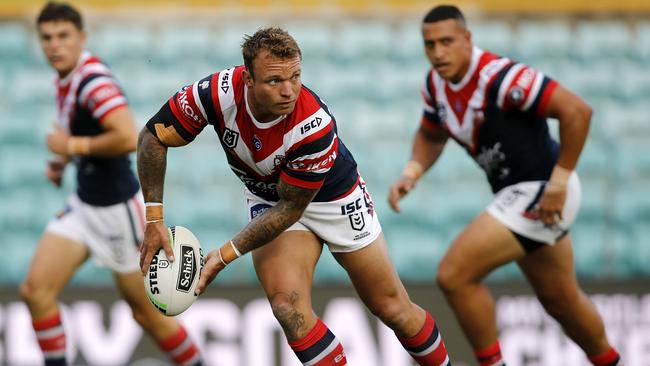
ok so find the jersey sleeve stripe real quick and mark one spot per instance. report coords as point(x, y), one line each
point(506, 83)
point(205, 95)
point(92, 86)
point(109, 105)
point(547, 90)
point(322, 151)
point(214, 94)
point(197, 100)
point(534, 93)
point(181, 120)
point(300, 182)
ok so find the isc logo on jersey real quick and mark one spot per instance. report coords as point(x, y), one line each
point(170, 285)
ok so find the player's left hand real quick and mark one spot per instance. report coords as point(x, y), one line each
point(57, 141)
point(211, 267)
point(552, 203)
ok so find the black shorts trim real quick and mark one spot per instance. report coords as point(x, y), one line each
point(531, 245)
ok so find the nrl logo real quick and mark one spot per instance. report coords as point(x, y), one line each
point(230, 138)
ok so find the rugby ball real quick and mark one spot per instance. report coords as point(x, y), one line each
point(170, 285)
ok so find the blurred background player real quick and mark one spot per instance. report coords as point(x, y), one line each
point(302, 190)
point(496, 109)
point(104, 217)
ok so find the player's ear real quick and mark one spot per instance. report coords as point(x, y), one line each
point(248, 78)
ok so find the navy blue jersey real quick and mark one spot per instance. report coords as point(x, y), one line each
point(495, 113)
point(84, 98)
point(301, 148)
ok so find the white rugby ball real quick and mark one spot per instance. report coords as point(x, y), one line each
point(170, 285)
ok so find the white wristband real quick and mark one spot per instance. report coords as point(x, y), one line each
point(221, 257)
point(232, 244)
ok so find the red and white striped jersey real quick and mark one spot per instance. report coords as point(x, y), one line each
point(90, 88)
point(301, 148)
point(496, 113)
point(83, 99)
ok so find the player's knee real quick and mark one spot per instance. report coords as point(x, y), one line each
point(143, 313)
point(449, 278)
point(392, 310)
point(33, 293)
point(558, 301)
point(285, 307)
point(140, 317)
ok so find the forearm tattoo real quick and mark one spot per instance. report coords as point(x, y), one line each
point(266, 227)
point(152, 163)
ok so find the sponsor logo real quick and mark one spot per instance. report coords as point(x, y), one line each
point(259, 209)
point(490, 160)
point(511, 197)
point(310, 125)
point(355, 214)
point(102, 95)
point(352, 206)
point(258, 187)
point(187, 271)
point(224, 83)
point(153, 276)
point(526, 78)
point(230, 138)
point(204, 84)
point(184, 104)
point(328, 161)
point(257, 143)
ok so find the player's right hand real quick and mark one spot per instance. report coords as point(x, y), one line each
point(54, 171)
point(156, 236)
point(398, 190)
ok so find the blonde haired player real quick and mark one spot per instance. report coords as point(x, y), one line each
point(302, 191)
point(104, 218)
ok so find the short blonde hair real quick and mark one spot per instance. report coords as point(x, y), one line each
point(275, 40)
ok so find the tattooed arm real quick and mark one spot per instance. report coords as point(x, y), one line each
point(262, 230)
point(152, 164)
point(266, 227)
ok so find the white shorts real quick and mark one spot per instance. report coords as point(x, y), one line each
point(345, 225)
point(512, 203)
point(111, 233)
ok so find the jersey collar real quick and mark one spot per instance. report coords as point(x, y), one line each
point(85, 55)
point(258, 124)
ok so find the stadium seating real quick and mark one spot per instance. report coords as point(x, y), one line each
point(370, 73)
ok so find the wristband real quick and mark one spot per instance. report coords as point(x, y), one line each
point(78, 145)
point(221, 258)
point(413, 170)
point(154, 212)
point(228, 253)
